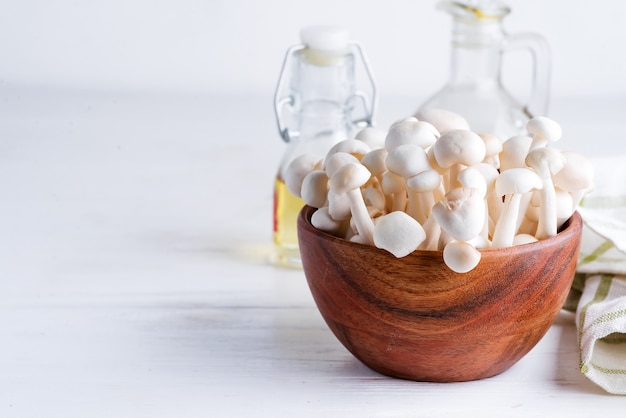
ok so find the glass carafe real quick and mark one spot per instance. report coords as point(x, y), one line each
point(317, 103)
point(475, 89)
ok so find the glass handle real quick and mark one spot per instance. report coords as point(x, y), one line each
point(281, 101)
point(540, 53)
point(370, 103)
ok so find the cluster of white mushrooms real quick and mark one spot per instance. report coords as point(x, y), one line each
point(433, 184)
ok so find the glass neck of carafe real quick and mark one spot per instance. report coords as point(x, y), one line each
point(476, 51)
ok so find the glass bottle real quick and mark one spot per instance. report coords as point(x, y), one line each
point(475, 89)
point(317, 104)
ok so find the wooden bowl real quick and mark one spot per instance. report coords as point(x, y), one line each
point(414, 318)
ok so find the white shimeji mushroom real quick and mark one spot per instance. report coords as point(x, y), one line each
point(375, 197)
point(514, 151)
point(336, 160)
point(425, 189)
point(351, 146)
point(456, 150)
point(398, 233)
point(461, 214)
point(564, 207)
point(512, 184)
point(546, 162)
point(348, 180)
point(338, 206)
point(374, 213)
point(443, 120)
point(322, 220)
point(433, 233)
point(411, 131)
point(576, 177)
point(374, 161)
point(461, 256)
point(314, 188)
point(358, 239)
point(394, 186)
point(372, 136)
point(543, 131)
point(493, 148)
point(473, 178)
point(521, 239)
point(407, 119)
point(298, 168)
point(493, 201)
point(529, 217)
point(407, 161)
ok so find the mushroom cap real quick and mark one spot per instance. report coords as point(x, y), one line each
point(351, 146)
point(427, 180)
point(460, 256)
point(521, 239)
point(315, 188)
point(349, 177)
point(322, 220)
point(576, 175)
point(392, 183)
point(472, 178)
point(373, 196)
point(564, 204)
point(461, 214)
point(489, 173)
point(517, 180)
point(545, 161)
point(407, 160)
point(411, 131)
point(443, 120)
point(338, 206)
point(433, 161)
point(493, 145)
point(297, 169)
point(459, 147)
point(335, 161)
point(372, 136)
point(543, 127)
point(375, 161)
point(398, 233)
point(514, 151)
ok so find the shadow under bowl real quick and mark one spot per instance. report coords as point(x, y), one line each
point(414, 318)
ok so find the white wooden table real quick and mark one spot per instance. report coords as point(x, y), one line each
point(135, 231)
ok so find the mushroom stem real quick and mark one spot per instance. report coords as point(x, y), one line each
point(348, 181)
point(362, 221)
point(505, 228)
point(547, 222)
point(546, 162)
point(433, 231)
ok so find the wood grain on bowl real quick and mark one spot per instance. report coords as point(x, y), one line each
point(414, 318)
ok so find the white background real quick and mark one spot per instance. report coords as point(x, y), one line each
point(237, 46)
point(138, 151)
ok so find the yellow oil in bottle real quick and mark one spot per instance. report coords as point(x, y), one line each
point(286, 209)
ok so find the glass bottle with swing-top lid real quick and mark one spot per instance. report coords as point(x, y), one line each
point(317, 104)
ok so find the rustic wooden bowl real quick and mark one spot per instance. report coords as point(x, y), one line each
point(414, 318)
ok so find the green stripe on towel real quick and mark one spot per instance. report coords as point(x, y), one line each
point(601, 293)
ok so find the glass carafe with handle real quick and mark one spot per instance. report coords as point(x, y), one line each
point(475, 89)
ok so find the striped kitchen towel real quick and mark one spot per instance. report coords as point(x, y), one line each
point(598, 294)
